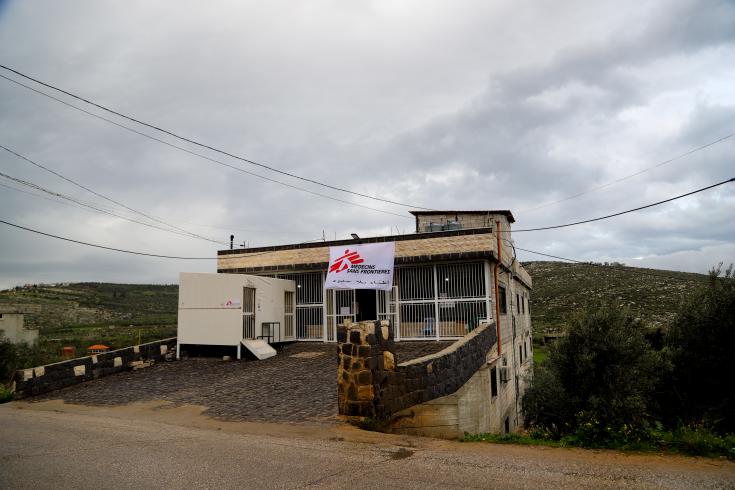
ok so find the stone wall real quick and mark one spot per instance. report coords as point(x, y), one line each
point(42, 379)
point(372, 384)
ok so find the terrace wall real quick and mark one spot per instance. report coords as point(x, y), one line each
point(42, 379)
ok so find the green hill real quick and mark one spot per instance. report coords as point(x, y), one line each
point(560, 289)
point(82, 314)
point(119, 315)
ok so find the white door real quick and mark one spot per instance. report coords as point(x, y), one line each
point(248, 313)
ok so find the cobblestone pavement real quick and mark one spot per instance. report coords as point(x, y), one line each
point(299, 384)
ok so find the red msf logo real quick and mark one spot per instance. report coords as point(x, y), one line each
point(340, 263)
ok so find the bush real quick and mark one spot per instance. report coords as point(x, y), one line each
point(699, 347)
point(597, 381)
point(9, 360)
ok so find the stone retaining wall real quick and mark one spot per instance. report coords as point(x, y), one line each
point(372, 384)
point(42, 379)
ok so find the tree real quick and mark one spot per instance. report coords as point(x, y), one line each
point(8, 359)
point(598, 379)
point(700, 345)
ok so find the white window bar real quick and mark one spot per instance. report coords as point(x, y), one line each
point(248, 313)
point(427, 302)
point(288, 315)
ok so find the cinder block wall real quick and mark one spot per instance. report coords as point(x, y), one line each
point(372, 384)
point(42, 379)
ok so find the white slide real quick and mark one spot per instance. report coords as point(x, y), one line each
point(260, 348)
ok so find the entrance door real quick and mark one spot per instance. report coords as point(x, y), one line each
point(367, 307)
point(248, 313)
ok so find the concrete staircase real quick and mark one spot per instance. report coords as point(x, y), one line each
point(260, 348)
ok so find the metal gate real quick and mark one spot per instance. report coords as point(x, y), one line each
point(387, 308)
point(440, 301)
point(248, 313)
point(289, 302)
point(433, 301)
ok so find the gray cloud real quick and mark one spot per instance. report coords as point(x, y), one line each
point(481, 105)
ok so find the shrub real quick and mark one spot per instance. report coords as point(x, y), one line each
point(597, 381)
point(8, 359)
point(699, 346)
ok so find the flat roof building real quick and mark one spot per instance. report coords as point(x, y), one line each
point(456, 272)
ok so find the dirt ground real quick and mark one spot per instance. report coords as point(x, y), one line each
point(297, 385)
point(163, 444)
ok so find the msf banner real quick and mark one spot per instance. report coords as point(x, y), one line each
point(368, 266)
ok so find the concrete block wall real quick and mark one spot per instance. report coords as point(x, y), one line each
point(372, 384)
point(42, 379)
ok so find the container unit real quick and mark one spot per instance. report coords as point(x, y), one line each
point(227, 309)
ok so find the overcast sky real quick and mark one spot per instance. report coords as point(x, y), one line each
point(444, 105)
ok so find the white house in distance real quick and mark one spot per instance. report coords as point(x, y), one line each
point(12, 328)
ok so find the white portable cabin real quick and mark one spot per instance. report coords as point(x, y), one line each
point(235, 310)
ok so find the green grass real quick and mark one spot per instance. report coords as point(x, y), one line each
point(692, 441)
point(540, 353)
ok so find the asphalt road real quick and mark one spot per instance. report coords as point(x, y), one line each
point(51, 445)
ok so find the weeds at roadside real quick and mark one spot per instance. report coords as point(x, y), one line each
point(691, 441)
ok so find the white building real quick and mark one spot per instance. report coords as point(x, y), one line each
point(12, 328)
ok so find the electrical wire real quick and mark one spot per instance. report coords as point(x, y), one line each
point(634, 270)
point(626, 177)
point(103, 246)
point(203, 145)
point(624, 212)
point(213, 160)
point(152, 218)
point(101, 210)
point(132, 252)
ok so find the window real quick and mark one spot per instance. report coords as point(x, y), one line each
point(503, 301)
point(518, 303)
point(493, 382)
point(523, 305)
point(507, 425)
point(520, 352)
point(525, 351)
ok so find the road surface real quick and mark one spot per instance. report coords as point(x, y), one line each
point(54, 445)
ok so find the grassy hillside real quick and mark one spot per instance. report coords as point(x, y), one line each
point(560, 288)
point(79, 315)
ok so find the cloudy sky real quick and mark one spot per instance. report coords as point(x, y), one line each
point(444, 105)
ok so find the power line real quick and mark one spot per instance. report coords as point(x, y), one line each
point(213, 160)
point(634, 270)
point(99, 210)
point(103, 246)
point(626, 177)
point(203, 145)
point(152, 218)
point(625, 212)
point(79, 242)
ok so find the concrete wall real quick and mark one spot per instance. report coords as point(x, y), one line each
point(42, 379)
point(516, 352)
point(467, 220)
point(11, 328)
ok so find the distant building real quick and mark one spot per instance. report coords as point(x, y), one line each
point(12, 328)
point(97, 349)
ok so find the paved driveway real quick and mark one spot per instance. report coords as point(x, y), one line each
point(298, 385)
